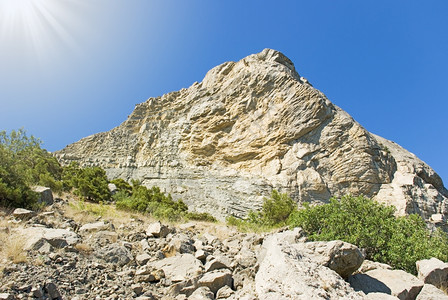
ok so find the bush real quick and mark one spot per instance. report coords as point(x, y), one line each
point(24, 163)
point(399, 242)
point(151, 201)
point(89, 183)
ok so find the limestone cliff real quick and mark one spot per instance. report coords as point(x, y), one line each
point(251, 126)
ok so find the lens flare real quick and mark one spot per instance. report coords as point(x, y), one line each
point(34, 28)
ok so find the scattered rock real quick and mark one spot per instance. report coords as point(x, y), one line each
point(394, 282)
point(142, 259)
point(224, 292)
point(23, 214)
point(90, 227)
point(341, 257)
point(430, 292)
point(285, 273)
point(35, 237)
point(433, 271)
point(156, 229)
point(180, 267)
point(115, 254)
point(202, 293)
point(45, 194)
point(216, 279)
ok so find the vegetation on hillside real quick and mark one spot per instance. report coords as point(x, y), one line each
point(397, 241)
point(24, 164)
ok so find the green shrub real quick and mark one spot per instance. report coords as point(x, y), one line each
point(206, 217)
point(372, 226)
point(89, 183)
point(274, 213)
point(24, 163)
point(151, 201)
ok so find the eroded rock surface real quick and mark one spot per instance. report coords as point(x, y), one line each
point(251, 126)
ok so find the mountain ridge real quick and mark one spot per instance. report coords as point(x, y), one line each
point(251, 126)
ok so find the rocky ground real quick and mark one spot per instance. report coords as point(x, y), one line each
point(73, 250)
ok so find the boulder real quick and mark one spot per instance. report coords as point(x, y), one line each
point(216, 279)
point(157, 229)
point(285, 273)
point(180, 267)
point(142, 259)
point(224, 292)
point(7, 296)
point(45, 194)
point(430, 292)
point(433, 271)
point(397, 283)
point(36, 237)
point(219, 262)
point(112, 188)
point(341, 257)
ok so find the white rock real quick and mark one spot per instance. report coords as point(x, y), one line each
point(430, 292)
point(433, 271)
point(90, 227)
point(156, 229)
point(35, 237)
point(216, 279)
point(180, 267)
point(287, 274)
point(394, 282)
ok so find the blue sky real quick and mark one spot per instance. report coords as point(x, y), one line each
point(72, 68)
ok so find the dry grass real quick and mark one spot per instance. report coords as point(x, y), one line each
point(84, 248)
point(12, 248)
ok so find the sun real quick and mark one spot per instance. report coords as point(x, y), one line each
point(32, 28)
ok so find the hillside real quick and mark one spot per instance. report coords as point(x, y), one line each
point(252, 126)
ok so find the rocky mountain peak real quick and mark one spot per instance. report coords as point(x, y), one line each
point(250, 126)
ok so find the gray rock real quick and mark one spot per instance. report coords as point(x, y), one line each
point(216, 279)
point(430, 292)
point(142, 259)
point(45, 194)
point(115, 254)
point(7, 296)
point(285, 273)
point(180, 267)
point(216, 263)
point(90, 227)
point(341, 257)
point(394, 282)
point(23, 214)
point(52, 291)
point(433, 271)
point(379, 296)
point(202, 293)
point(157, 229)
point(36, 237)
point(112, 188)
point(224, 292)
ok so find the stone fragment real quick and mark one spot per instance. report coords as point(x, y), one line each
point(201, 255)
point(216, 263)
point(37, 292)
point(394, 282)
point(216, 279)
point(142, 259)
point(112, 188)
point(368, 265)
point(202, 293)
point(23, 214)
point(115, 254)
point(157, 229)
point(433, 271)
point(52, 291)
point(224, 292)
point(430, 292)
point(137, 288)
point(379, 296)
point(90, 227)
point(7, 296)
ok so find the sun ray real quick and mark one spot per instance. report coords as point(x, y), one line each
point(35, 28)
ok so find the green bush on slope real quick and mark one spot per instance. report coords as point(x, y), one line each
point(372, 226)
point(23, 163)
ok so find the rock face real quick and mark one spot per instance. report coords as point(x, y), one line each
point(251, 126)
